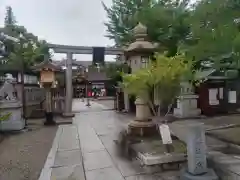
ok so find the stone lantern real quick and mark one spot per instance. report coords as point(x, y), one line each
point(48, 81)
point(138, 54)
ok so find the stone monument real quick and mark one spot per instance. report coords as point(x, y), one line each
point(187, 102)
point(9, 104)
point(138, 56)
point(196, 150)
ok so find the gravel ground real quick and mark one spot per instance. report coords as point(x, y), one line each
point(22, 155)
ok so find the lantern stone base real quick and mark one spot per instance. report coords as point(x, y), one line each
point(142, 128)
point(68, 115)
point(49, 119)
point(142, 125)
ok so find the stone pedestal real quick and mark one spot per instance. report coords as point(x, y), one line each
point(187, 103)
point(196, 151)
point(15, 121)
point(143, 124)
point(68, 115)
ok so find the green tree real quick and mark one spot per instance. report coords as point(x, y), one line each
point(114, 72)
point(30, 49)
point(163, 76)
point(4, 117)
point(9, 18)
point(165, 20)
point(214, 34)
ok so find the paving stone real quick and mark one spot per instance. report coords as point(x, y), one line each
point(144, 177)
point(169, 175)
point(68, 173)
point(97, 160)
point(69, 132)
point(67, 145)
point(91, 145)
point(129, 168)
point(68, 158)
point(88, 138)
point(104, 174)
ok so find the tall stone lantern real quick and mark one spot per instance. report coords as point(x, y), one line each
point(138, 55)
point(48, 81)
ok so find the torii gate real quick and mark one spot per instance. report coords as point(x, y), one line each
point(69, 51)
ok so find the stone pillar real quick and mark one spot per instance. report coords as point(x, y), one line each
point(69, 94)
point(196, 151)
point(142, 125)
point(142, 110)
point(126, 101)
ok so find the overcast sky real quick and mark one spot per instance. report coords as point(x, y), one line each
point(70, 22)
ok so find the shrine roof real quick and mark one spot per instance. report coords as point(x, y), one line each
point(96, 76)
point(48, 65)
point(210, 74)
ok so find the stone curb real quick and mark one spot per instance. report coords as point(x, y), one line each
point(47, 169)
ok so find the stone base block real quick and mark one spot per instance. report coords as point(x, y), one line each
point(142, 128)
point(158, 159)
point(188, 114)
point(68, 115)
point(210, 175)
point(49, 119)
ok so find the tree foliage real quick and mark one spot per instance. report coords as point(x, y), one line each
point(30, 49)
point(114, 72)
point(208, 31)
point(163, 75)
point(4, 117)
point(165, 21)
point(214, 33)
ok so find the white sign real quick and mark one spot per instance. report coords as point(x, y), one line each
point(213, 96)
point(165, 134)
point(232, 97)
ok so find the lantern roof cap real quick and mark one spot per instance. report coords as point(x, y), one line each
point(140, 31)
point(141, 44)
point(47, 64)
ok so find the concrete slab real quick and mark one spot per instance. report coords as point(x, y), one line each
point(47, 170)
point(97, 160)
point(169, 175)
point(128, 168)
point(68, 173)
point(66, 145)
point(68, 158)
point(89, 140)
point(157, 159)
point(92, 144)
point(104, 174)
point(143, 177)
point(69, 139)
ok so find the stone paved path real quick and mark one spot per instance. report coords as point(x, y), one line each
point(88, 146)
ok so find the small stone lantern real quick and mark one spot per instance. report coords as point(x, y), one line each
point(138, 54)
point(48, 81)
